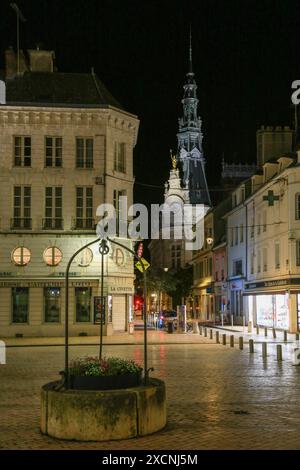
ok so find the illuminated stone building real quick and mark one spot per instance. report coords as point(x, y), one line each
point(66, 146)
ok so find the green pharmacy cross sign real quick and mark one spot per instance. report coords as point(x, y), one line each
point(271, 198)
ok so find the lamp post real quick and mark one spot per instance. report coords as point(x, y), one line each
point(67, 309)
point(103, 249)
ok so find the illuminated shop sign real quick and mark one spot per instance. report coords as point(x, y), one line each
point(280, 282)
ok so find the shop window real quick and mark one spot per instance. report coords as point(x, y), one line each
point(52, 296)
point(83, 304)
point(20, 303)
point(272, 310)
point(52, 256)
point(21, 256)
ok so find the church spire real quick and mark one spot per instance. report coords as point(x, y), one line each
point(190, 152)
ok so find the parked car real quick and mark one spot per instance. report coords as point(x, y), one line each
point(166, 316)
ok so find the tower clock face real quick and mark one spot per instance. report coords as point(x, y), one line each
point(119, 257)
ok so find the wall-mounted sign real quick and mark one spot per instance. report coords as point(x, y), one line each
point(275, 283)
point(120, 289)
point(99, 312)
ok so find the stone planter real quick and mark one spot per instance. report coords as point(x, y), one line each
point(93, 415)
point(109, 382)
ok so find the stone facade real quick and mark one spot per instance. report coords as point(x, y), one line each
point(61, 220)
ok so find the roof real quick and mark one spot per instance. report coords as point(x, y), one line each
point(55, 88)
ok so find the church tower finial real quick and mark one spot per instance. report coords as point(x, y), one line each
point(191, 54)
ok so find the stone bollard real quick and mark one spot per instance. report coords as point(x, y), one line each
point(205, 332)
point(200, 330)
point(195, 327)
point(211, 334)
point(297, 337)
point(274, 333)
point(231, 320)
point(251, 346)
point(241, 342)
point(224, 339)
point(266, 331)
point(257, 329)
point(264, 350)
point(217, 337)
point(232, 341)
point(285, 335)
point(279, 352)
point(249, 326)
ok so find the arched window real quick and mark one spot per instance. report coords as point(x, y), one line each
point(85, 257)
point(21, 256)
point(52, 256)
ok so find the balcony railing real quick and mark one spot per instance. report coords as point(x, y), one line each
point(20, 224)
point(53, 224)
point(84, 224)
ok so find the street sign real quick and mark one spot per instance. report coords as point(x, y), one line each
point(139, 265)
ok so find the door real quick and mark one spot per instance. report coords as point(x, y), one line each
point(119, 312)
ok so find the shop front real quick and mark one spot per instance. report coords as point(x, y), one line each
point(275, 304)
point(220, 297)
point(204, 303)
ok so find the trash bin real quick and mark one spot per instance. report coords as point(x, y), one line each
point(170, 327)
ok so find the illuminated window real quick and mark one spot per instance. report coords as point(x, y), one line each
point(52, 256)
point(85, 257)
point(21, 256)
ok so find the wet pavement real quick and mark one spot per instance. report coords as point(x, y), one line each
point(218, 397)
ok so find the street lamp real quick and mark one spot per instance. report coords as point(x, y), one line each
point(209, 240)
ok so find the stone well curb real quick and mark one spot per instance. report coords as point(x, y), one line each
point(101, 415)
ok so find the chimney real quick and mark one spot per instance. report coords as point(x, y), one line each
point(11, 63)
point(2, 92)
point(40, 60)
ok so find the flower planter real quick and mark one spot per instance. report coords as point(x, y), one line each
point(106, 382)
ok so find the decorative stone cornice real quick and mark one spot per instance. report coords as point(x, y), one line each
point(42, 116)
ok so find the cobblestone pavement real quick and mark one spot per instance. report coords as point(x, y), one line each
point(218, 397)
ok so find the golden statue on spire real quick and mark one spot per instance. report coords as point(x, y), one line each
point(173, 160)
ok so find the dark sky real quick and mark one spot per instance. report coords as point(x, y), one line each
point(246, 54)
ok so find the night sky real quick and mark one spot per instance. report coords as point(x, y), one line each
point(245, 54)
